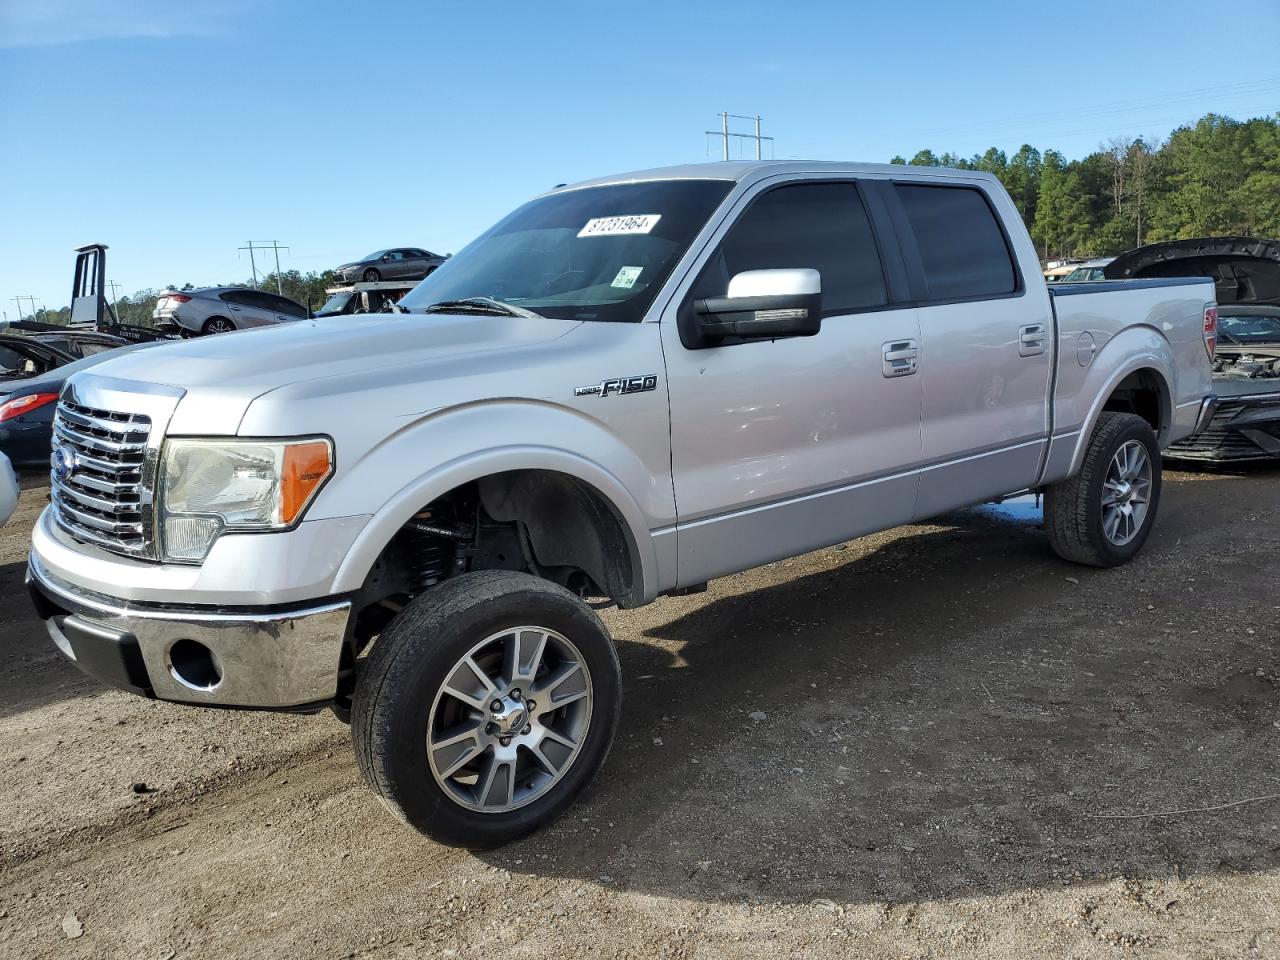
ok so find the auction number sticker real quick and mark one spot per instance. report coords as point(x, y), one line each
point(620, 226)
point(627, 277)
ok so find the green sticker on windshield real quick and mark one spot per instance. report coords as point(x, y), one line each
point(627, 277)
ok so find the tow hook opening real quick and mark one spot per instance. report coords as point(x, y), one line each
point(194, 666)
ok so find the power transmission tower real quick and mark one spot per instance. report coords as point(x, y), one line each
point(274, 246)
point(725, 133)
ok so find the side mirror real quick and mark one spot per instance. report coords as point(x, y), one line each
point(764, 304)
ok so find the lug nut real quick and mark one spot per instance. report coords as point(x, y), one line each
point(515, 694)
point(496, 706)
point(505, 741)
point(490, 729)
point(531, 705)
point(527, 728)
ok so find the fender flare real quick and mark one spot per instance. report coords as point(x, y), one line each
point(1151, 361)
point(416, 494)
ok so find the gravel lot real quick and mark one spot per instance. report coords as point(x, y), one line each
point(936, 742)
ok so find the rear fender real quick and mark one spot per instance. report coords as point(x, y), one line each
point(1076, 412)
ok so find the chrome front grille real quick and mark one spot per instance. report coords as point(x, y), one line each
point(101, 476)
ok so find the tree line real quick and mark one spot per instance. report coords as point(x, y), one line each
point(1216, 177)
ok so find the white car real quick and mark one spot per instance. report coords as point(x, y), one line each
point(8, 489)
point(223, 309)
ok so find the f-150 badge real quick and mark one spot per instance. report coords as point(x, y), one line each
point(618, 385)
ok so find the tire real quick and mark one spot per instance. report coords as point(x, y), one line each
point(400, 706)
point(1080, 526)
point(217, 325)
point(372, 275)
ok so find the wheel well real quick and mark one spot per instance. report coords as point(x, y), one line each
point(1144, 393)
point(537, 521)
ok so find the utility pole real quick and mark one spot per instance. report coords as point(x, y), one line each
point(31, 300)
point(252, 263)
point(724, 133)
point(275, 247)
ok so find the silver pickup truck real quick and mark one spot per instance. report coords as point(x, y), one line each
point(623, 389)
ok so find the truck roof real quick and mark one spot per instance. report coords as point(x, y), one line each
point(739, 170)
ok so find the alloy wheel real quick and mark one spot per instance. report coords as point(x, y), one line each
point(1126, 493)
point(510, 719)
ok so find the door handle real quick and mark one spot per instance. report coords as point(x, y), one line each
point(899, 358)
point(1031, 339)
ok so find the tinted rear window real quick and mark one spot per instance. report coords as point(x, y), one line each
point(961, 244)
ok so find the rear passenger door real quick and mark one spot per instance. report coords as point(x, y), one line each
point(986, 345)
point(782, 446)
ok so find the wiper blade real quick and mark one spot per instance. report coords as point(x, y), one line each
point(481, 305)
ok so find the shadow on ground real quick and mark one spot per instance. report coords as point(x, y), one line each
point(950, 714)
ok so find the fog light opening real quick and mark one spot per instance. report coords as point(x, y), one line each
point(194, 666)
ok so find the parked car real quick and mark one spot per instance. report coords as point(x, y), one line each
point(80, 343)
point(1246, 276)
point(400, 518)
point(223, 309)
point(8, 489)
point(23, 357)
point(26, 412)
point(397, 263)
point(364, 297)
point(1056, 274)
point(1089, 270)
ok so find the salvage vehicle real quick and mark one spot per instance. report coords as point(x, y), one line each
point(26, 412)
point(223, 309)
point(352, 298)
point(398, 263)
point(1246, 275)
point(625, 388)
point(23, 357)
point(1246, 378)
point(8, 489)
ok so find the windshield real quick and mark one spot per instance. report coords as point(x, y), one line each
point(599, 253)
point(335, 304)
point(376, 255)
point(1250, 329)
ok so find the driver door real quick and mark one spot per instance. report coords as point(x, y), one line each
point(783, 446)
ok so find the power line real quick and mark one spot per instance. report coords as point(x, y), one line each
point(273, 246)
point(725, 133)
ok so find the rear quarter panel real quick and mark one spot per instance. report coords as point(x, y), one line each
point(1110, 329)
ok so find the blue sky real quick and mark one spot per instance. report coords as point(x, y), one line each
point(174, 132)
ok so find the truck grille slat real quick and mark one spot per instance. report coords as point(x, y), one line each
point(102, 498)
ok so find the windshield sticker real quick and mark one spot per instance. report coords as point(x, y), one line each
point(627, 277)
point(620, 226)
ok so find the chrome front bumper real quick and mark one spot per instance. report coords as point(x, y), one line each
point(269, 658)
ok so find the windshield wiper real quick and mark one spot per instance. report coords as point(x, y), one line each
point(481, 305)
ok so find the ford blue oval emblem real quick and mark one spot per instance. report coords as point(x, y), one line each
point(63, 461)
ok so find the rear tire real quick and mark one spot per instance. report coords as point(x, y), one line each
point(462, 791)
point(217, 325)
point(1102, 516)
point(372, 276)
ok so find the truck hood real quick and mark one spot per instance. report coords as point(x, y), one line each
point(223, 374)
point(1243, 269)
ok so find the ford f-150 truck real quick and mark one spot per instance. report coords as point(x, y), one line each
point(625, 388)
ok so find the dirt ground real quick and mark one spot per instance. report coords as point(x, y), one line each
point(936, 742)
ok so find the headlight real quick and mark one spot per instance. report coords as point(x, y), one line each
point(212, 486)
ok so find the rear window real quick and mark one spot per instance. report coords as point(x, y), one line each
point(961, 245)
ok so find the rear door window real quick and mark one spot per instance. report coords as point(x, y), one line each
point(823, 226)
point(962, 247)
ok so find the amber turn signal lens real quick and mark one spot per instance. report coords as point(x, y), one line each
point(306, 466)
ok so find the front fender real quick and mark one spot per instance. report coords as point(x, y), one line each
point(520, 435)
